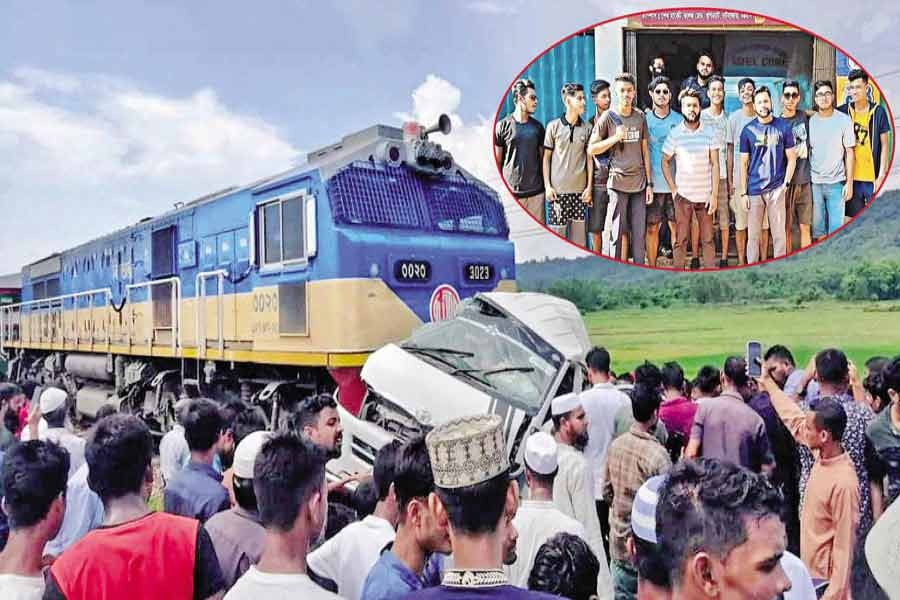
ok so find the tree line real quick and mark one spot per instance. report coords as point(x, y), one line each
point(867, 281)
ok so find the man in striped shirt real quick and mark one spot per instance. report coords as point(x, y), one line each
point(696, 184)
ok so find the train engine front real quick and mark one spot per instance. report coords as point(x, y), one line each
point(416, 232)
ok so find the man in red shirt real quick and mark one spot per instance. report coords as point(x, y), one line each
point(676, 411)
point(136, 554)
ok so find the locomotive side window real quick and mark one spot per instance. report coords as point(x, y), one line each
point(292, 228)
point(282, 230)
point(272, 233)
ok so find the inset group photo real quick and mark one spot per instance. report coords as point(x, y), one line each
point(693, 139)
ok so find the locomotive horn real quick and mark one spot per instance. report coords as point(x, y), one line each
point(443, 125)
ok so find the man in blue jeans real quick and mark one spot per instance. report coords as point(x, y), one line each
point(872, 153)
point(831, 141)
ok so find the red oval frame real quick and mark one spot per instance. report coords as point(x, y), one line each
point(872, 81)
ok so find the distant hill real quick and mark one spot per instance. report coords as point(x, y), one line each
point(874, 236)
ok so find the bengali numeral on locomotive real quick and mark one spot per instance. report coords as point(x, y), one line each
point(412, 270)
point(479, 272)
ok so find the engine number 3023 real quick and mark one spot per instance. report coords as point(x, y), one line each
point(479, 272)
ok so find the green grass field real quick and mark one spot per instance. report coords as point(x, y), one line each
point(699, 335)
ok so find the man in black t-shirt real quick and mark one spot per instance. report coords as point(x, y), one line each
point(518, 148)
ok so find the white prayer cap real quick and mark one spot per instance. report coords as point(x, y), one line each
point(52, 399)
point(565, 404)
point(246, 452)
point(540, 453)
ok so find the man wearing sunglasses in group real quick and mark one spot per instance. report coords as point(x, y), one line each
point(832, 143)
point(798, 200)
point(660, 121)
point(518, 148)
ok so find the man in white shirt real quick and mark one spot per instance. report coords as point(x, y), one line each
point(289, 483)
point(34, 484)
point(537, 519)
point(84, 512)
point(348, 557)
point(572, 492)
point(601, 402)
point(174, 453)
point(52, 409)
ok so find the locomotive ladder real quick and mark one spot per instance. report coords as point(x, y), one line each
point(200, 296)
point(174, 324)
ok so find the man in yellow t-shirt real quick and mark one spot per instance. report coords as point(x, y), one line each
point(872, 152)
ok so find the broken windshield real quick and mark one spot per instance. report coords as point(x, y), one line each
point(484, 347)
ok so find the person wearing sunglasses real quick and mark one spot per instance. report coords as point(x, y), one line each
point(799, 202)
point(832, 142)
point(661, 119)
point(518, 149)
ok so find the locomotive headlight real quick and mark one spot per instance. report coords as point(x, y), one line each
point(504, 273)
point(374, 271)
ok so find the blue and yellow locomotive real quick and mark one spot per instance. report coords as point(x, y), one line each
point(267, 291)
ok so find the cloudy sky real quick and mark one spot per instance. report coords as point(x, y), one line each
point(112, 111)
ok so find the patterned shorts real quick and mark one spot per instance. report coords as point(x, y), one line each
point(566, 208)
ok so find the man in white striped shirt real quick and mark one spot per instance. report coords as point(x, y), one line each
point(696, 184)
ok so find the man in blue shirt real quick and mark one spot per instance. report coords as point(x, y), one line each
point(768, 160)
point(660, 121)
point(413, 560)
point(197, 491)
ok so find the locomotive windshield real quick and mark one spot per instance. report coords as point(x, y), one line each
point(364, 193)
point(487, 349)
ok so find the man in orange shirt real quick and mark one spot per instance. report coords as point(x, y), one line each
point(830, 512)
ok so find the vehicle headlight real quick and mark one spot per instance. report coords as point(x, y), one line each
point(504, 273)
point(374, 270)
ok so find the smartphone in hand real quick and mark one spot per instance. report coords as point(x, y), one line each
point(754, 359)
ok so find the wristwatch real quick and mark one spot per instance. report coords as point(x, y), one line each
point(649, 184)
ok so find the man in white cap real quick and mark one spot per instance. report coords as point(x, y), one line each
point(84, 509)
point(572, 490)
point(237, 534)
point(474, 495)
point(52, 409)
point(538, 519)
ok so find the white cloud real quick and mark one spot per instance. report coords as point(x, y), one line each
point(472, 148)
point(48, 80)
point(84, 155)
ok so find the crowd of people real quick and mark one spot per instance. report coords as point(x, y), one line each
point(649, 485)
point(633, 183)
